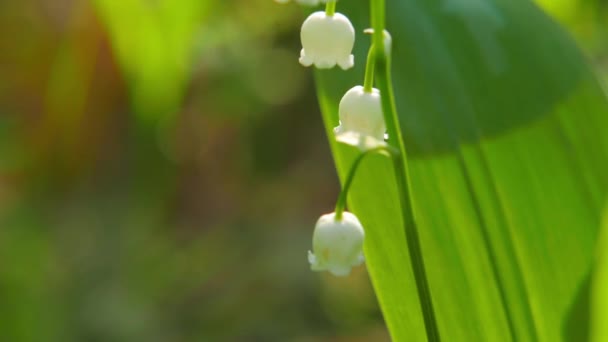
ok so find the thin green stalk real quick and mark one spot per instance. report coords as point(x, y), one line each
point(384, 83)
point(368, 82)
point(341, 203)
point(330, 8)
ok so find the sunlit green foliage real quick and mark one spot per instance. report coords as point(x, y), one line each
point(599, 289)
point(508, 157)
point(162, 164)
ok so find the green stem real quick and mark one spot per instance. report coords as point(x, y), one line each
point(384, 83)
point(330, 8)
point(368, 82)
point(341, 203)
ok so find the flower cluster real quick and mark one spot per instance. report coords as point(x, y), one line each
point(328, 38)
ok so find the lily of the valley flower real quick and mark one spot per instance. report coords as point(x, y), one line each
point(327, 40)
point(337, 244)
point(361, 119)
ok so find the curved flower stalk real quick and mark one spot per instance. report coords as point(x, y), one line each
point(327, 40)
point(361, 119)
point(337, 244)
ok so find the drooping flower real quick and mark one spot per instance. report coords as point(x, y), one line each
point(337, 244)
point(361, 119)
point(327, 40)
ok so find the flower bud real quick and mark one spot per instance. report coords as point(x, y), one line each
point(337, 244)
point(327, 41)
point(361, 119)
point(388, 40)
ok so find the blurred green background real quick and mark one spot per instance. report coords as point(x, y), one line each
point(162, 165)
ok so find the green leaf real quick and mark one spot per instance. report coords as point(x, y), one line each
point(599, 304)
point(503, 123)
point(153, 44)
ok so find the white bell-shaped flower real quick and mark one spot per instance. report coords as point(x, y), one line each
point(361, 119)
point(337, 245)
point(327, 40)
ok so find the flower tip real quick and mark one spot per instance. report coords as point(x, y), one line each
point(304, 59)
point(355, 139)
point(324, 64)
point(340, 271)
point(314, 263)
point(347, 63)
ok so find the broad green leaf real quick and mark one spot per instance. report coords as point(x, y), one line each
point(504, 126)
point(599, 302)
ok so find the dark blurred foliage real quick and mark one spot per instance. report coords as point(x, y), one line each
point(162, 165)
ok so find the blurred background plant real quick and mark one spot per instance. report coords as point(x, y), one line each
point(162, 165)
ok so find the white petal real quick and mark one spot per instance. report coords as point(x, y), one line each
point(305, 60)
point(360, 260)
point(340, 271)
point(347, 63)
point(324, 64)
point(311, 258)
point(362, 142)
point(315, 265)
